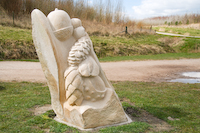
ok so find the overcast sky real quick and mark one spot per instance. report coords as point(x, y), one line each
point(140, 9)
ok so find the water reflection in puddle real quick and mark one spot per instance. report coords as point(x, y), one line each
point(191, 81)
point(194, 75)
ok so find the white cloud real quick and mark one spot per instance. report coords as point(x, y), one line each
point(153, 8)
point(90, 2)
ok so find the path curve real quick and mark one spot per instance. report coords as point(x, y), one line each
point(156, 71)
point(172, 34)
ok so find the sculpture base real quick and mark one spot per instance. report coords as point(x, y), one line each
point(92, 115)
point(91, 129)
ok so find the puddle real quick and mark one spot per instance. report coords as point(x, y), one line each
point(193, 77)
point(191, 74)
point(191, 81)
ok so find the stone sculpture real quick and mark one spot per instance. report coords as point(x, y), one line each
point(81, 95)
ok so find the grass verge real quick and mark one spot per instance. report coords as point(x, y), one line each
point(176, 100)
point(15, 34)
point(167, 56)
point(28, 60)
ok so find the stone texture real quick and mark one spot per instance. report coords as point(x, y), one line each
point(90, 115)
point(81, 95)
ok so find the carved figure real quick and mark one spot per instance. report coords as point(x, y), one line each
point(81, 95)
point(83, 71)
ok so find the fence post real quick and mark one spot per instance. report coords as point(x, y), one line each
point(126, 31)
point(150, 28)
point(13, 18)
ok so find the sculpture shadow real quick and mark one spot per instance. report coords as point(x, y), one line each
point(2, 88)
point(51, 114)
point(165, 112)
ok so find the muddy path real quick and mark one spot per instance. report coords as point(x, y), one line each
point(148, 71)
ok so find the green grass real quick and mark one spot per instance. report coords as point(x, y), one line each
point(28, 60)
point(190, 45)
point(15, 34)
point(182, 31)
point(16, 100)
point(167, 56)
point(136, 39)
point(138, 44)
point(135, 127)
point(16, 43)
point(176, 100)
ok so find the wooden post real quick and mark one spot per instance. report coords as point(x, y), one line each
point(13, 18)
point(126, 31)
point(150, 28)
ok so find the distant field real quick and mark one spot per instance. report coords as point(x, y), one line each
point(182, 31)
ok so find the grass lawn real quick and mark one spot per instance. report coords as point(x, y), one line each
point(176, 100)
point(167, 56)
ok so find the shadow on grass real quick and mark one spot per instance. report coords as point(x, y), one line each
point(165, 112)
point(2, 88)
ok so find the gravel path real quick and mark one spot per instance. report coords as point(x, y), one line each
point(156, 71)
point(171, 34)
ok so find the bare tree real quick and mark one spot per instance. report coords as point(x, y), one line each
point(118, 12)
point(12, 6)
point(99, 6)
point(108, 12)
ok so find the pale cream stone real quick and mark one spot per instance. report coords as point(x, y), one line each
point(88, 67)
point(79, 32)
point(108, 111)
point(76, 22)
point(81, 95)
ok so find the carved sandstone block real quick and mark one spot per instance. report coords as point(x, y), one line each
point(81, 95)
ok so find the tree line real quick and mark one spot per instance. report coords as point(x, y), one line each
point(101, 10)
point(175, 19)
